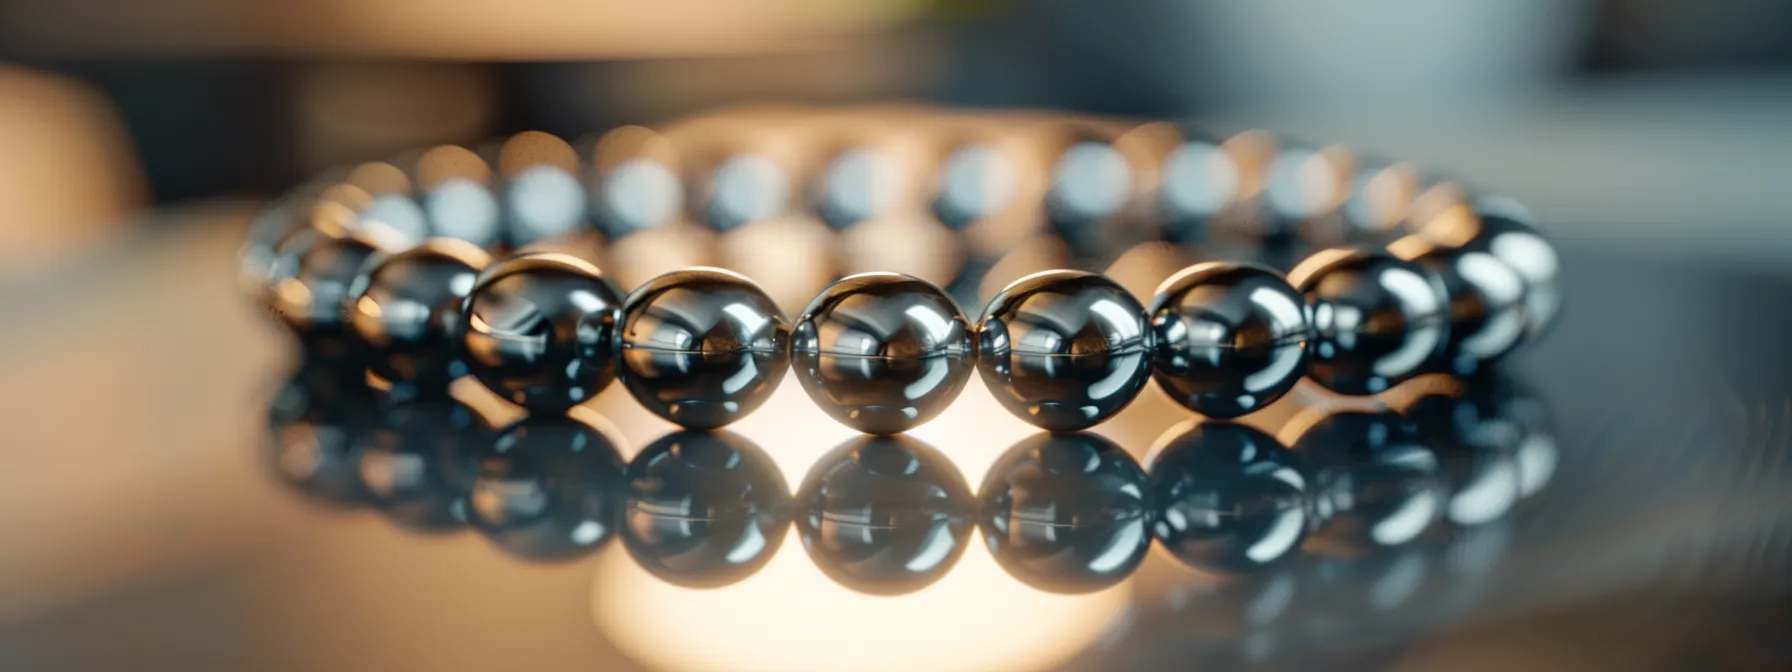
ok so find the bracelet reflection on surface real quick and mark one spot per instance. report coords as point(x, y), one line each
point(705, 520)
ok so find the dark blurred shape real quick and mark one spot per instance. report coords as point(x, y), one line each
point(317, 421)
point(311, 275)
point(1228, 498)
point(414, 463)
point(1374, 484)
point(406, 308)
point(546, 488)
point(705, 509)
point(1066, 513)
point(885, 515)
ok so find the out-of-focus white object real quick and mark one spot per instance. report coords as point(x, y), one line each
point(1378, 52)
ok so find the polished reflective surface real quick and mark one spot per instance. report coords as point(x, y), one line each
point(1486, 303)
point(703, 347)
point(885, 515)
point(1374, 484)
point(1377, 320)
point(882, 352)
point(546, 488)
point(704, 509)
point(414, 464)
point(1228, 338)
point(1228, 497)
point(540, 331)
point(308, 278)
point(1066, 512)
point(407, 308)
point(1504, 230)
point(1064, 350)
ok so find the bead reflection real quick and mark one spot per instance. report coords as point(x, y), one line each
point(1066, 513)
point(317, 421)
point(546, 488)
point(885, 515)
point(1228, 498)
point(704, 509)
point(412, 465)
point(1374, 485)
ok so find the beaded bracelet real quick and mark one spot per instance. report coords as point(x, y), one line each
point(884, 352)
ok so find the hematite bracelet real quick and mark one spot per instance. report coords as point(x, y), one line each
point(1449, 287)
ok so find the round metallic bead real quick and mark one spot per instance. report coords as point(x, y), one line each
point(703, 347)
point(1377, 320)
point(882, 352)
point(1228, 338)
point(1064, 350)
point(540, 331)
point(407, 308)
point(1066, 512)
point(308, 279)
point(1505, 230)
point(1485, 302)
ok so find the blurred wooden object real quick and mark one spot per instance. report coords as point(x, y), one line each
point(451, 29)
point(67, 174)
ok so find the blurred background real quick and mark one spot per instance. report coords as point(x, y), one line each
point(1639, 119)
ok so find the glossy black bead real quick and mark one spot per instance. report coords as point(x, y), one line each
point(319, 418)
point(1377, 320)
point(882, 352)
point(540, 330)
point(309, 277)
point(703, 347)
point(885, 515)
point(1508, 233)
point(1228, 338)
point(1486, 303)
point(705, 509)
point(414, 465)
point(1064, 350)
point(407, 309)
point(1374, 484)
point(1228, 497)
point(546, 488)
point(1066, 513)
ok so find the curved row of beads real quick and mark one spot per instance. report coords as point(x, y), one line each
point(957, 189)
point(884, 352)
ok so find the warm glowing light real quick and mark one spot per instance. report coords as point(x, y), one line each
point(791, 616)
